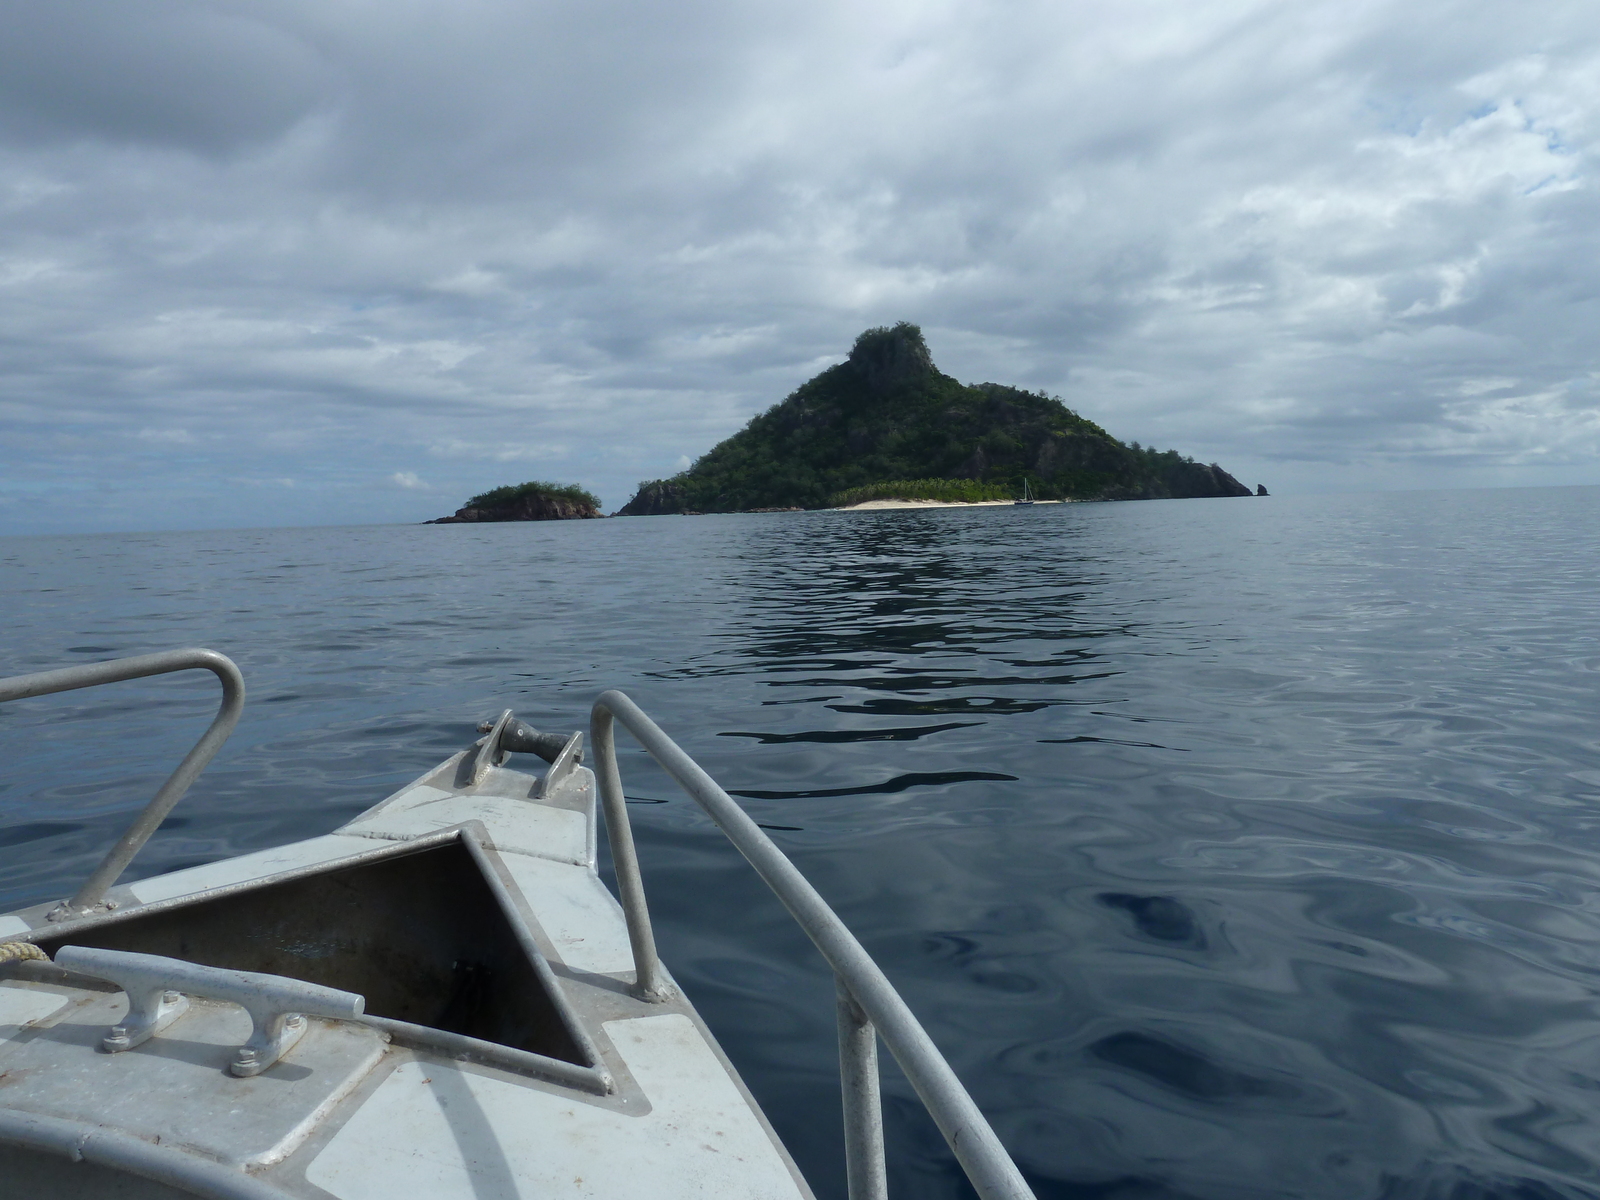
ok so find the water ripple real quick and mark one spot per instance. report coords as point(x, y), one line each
point(1230, 849)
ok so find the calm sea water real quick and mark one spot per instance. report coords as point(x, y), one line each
point(1229, 848)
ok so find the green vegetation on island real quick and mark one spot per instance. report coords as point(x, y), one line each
point(511, 493)
point(531, 501)
point(888, 414)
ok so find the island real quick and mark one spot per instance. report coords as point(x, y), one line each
point(532, 501)
point(887, 424)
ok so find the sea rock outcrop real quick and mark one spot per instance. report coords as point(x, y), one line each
point(524, 508)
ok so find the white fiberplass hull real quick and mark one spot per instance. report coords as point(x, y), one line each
point(439, 999)
point(354, 1111)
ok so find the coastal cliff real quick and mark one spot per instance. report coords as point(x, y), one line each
point(656, 499)
point(887, 413)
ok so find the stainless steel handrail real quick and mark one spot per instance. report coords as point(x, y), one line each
point(43, 683)
point(869, 1006)
point(86, 1142)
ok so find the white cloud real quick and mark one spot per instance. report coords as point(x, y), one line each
point(1477, 387)
point(498, 451)
point(409, 480)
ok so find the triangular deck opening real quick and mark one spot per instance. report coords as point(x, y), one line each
point(420, 933)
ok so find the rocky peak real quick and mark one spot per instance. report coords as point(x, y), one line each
point(892, 358)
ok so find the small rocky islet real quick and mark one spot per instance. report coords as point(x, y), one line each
point(887, 423)
point(532, 501)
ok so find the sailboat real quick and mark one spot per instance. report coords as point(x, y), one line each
point(1027, 494)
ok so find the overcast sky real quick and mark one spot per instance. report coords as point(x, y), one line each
point(343, 260)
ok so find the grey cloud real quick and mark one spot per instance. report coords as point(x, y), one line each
point(344, 246)
point(194, 76)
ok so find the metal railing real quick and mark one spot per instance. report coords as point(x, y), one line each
point(869, 1006)
point(89, 896)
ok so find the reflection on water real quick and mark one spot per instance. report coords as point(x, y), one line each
point(1229, 848)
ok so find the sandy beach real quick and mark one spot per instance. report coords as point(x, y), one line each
point(878, 504)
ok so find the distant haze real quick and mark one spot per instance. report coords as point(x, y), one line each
point(335, 261)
